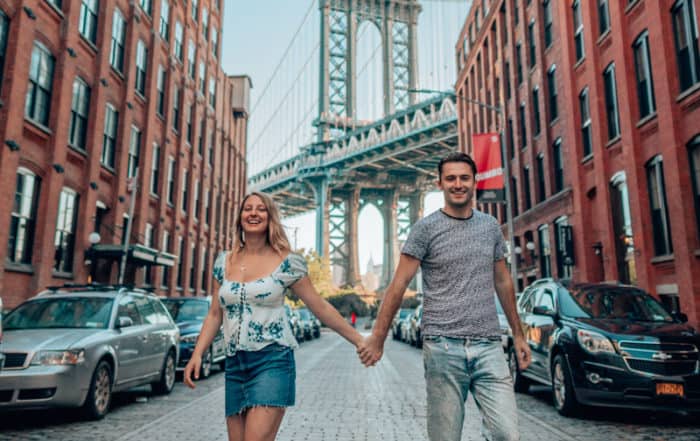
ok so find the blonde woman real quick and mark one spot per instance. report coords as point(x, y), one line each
point(252, 278)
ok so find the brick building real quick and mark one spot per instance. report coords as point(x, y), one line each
point(93, 93)
point(601, 116)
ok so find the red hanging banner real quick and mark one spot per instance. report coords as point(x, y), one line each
point(489, 178)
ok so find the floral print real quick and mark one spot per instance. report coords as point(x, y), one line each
point(254, 315)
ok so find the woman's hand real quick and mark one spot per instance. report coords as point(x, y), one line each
point(192, 367)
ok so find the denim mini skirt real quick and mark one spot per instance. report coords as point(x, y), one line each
point(260, 378)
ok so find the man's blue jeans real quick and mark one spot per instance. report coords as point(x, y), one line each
point(456, 366)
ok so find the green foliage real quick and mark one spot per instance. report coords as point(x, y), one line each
point(347, 303)
point(410, 302)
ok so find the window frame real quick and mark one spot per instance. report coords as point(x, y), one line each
point(612, 108)
point(20, 249)
point(87, 21)
point(40, 85)
point(117, 42)
point(109, 140)
point(66, 226)
point(80, 110)
point(661, 227)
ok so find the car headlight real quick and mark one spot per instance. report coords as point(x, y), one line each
point(593, 343)
point(189, 338)
point(69, 357)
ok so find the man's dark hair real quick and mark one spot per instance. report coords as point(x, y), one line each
point(457, 157)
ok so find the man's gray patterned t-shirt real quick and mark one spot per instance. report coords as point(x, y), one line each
point(457, 261)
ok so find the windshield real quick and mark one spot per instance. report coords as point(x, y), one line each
point(611, 302)
point(63, 312)
point(403, 313)
point(304, 314)
point(187, 310)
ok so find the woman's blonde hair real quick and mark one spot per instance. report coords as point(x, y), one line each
point(276, 236)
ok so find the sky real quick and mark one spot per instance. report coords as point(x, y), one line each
point(256, 37)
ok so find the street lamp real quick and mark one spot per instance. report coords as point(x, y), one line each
point(506, 166)
point(94, 238)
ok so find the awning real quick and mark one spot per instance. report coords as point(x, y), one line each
point(137, 254)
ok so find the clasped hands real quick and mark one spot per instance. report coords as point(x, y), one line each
point(370, 350)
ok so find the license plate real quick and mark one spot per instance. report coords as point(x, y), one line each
point(673, 389)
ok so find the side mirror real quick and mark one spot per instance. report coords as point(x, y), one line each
point(683, 318)
point(542, 310)
point(124, 322)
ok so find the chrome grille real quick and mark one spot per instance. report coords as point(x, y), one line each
point(669, 368)
point(660, 358)
point(14, 360)
point(683, 347)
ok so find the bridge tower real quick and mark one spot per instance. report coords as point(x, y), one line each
point(337, 212)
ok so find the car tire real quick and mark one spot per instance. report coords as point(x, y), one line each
point(205, 367)
point(563, 394)
point(521, 384)
point(99, 395)
point(166, 382)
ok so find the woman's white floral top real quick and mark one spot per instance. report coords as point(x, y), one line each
point(254, 315)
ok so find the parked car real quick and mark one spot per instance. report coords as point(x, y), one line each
point(414, 328)
point(400, 315)
point(2, 356)
point(189, 314)
point(309, 323)
point(295, 323)
point(76, 346)
point(608, 345)
point(405, 327)
point(506, 332)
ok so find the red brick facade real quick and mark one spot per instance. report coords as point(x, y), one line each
point(609, 196)
point(80, 49)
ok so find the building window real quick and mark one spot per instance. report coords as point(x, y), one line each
point(87, 26)
point(176, 109)
point(38, 102)
point(531, 37)
point(558, 158)
point(160, 96)
point(514, 194)
point(178, 41)
point(214, 42)
point(202, 136)
point(191, 58)
point(611, 102)
point(564, 248)
point(64, 239)
point(511, 142)
point(193, 275)
point(526, 187)
point(116, 49)
point(141, 66)
point(23, 217)
point(516, 13)
point(109, 136)
point(155, 169)
point(205, 269)
point(578, 31)
point(552, 90)
point(685, 29)
point(185, 186)
point(164, 20)
point(196, 199)
point(586, 133)
point(80, 106)
point(659, 211)
point(180, 258)
point(4, 26)
point(164, 275)
point(545, 251)
point(547, 5)
point(205, 24)
point(148, 242)
point(134, 152)
point(202, 77)
point(195, 8)
point(518, 64)
point(603, 16)
point(146, 6)
point(171, 181)
point(190, 124)
point(536, 110)
point(645, 82)
point(694, 156)
point(212, 92)
point(211, 148)
point(541, 189)
point(207, 211)
point(506, 76)
point(523, 128)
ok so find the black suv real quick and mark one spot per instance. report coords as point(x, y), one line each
point(607, 345)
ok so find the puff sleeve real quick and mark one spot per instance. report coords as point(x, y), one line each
point(219, 265)
point(292, 269)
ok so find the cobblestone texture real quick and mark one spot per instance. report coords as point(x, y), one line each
point(337, 400)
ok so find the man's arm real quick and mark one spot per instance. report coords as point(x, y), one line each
point(506, 295)
point(372, 350)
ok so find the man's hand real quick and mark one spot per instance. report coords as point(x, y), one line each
point(522, 352)
point(192, 367)
point(370, 350)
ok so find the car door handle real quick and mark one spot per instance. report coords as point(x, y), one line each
point(144, 338)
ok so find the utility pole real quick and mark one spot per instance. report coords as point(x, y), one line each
point(131, 187)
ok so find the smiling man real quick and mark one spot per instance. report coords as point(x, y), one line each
point(460, 251)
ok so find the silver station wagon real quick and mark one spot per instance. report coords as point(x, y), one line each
point(74, 346)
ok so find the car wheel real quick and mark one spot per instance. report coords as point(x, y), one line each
point(167, 376)
point(562, 390)
point(205, 368)
point(521, 384)
point(100, 393)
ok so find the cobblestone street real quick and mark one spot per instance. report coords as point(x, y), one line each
point(337, 400)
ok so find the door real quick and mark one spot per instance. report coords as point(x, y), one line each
point(622, 228)
point(153, 337)
point(130, 350)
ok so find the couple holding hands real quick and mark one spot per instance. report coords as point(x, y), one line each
point(460, 251)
